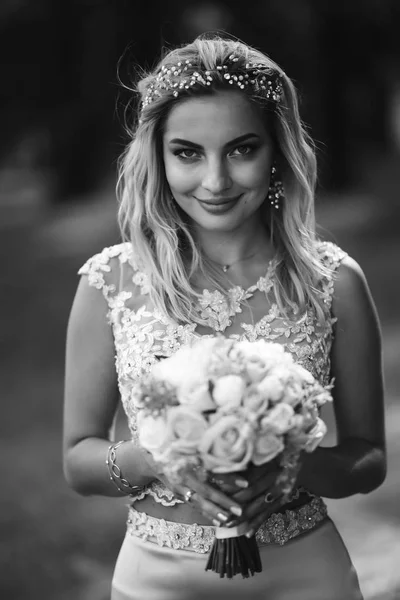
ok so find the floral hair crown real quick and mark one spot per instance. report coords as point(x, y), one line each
point(252, 74)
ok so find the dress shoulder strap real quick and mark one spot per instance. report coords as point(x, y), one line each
point(332, 257)
point(331, 254)
point(104, 270)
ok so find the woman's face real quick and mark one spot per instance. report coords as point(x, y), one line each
point(217, 156)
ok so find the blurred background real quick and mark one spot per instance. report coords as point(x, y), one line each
point(61, 133)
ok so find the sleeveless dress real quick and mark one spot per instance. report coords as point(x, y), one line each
point(302, 553)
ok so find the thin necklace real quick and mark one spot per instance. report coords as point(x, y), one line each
point(226, 267)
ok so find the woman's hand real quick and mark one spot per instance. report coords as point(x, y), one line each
point(255, 490)
point(213, 503)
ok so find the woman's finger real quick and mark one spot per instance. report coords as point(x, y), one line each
point(212, 503)
point(215, 513)
point(213, 495)
point(228, 483)
point(255, 472)
point(261, 485)
point(264, 504)
point(262, 516)
point(234, 482)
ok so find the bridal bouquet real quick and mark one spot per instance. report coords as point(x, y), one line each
point(222, 405)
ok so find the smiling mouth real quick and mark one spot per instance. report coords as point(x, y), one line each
point(219, 201)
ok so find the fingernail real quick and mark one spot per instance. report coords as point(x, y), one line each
point(242, 483)
point(231, 523)
point(236, 510)
point(217, 523)
point(222, 517)
point(250, 533)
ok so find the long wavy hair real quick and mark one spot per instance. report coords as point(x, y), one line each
point(163, 243)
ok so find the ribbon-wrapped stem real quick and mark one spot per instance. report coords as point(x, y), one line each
point(233, 553)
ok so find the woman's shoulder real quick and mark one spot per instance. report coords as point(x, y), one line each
point(107, 258)
point(330, 254)
point(112, 268)
point(348, 284)
point(345, 269)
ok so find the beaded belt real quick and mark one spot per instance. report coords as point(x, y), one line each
point(279, 528)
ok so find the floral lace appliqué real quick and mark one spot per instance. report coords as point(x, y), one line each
point(217, 311)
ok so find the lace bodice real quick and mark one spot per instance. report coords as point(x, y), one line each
point(142, 334)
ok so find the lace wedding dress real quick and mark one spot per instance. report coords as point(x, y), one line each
point(302, 553)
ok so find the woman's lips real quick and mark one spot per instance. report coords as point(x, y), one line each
point(218, 206)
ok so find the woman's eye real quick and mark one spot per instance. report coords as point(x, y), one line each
point(186, 153)
point(243, 150)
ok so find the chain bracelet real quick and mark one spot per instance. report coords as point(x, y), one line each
point(115, 472)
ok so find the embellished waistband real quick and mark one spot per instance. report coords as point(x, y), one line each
point(279, 528)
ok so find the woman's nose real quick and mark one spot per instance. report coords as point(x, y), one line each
point(216, 177)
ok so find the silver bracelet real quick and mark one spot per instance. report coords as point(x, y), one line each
point(115, 472)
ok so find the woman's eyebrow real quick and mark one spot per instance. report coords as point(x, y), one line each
point(242, 138)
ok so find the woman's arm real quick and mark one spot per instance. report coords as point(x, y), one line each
point(91, 397)
point(358, 463)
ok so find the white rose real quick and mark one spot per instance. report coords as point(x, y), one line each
point(271, 387)
point(186, 428)
point(279, 418)
point(282, 371)
point(197, 396)
point(225, 359)
point(297, 424)
point(228, 391)
point(256, 370)
point(303, 373)
point(227, 446)
point(269, 352)
point(188, 365)
point(297, 434)
point(154, 434)
point(255, 403)
point(267, 446)
point(273, 353)
point(294, 393)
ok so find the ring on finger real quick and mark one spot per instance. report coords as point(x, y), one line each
point(188, 495)
point(269, 498)
point(216, 481)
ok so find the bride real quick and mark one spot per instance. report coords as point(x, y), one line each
point(216, 212)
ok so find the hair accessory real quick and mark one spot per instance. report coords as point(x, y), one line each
point(257, 75)
point(276, 191)
point(116, 476)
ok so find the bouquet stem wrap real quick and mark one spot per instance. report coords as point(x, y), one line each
point(232, 555)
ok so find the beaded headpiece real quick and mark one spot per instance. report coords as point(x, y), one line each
point(252, 74)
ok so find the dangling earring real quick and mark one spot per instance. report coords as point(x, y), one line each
point(275, 191)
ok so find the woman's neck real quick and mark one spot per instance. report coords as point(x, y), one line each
point(234, 247)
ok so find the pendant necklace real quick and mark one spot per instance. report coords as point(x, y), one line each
point(226, 267)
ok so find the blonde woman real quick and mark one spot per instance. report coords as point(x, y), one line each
point(217, 212)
